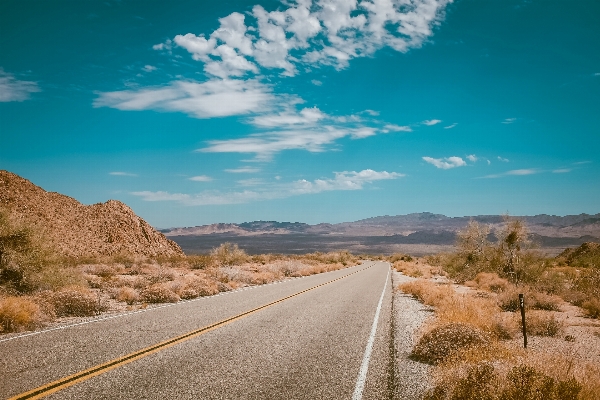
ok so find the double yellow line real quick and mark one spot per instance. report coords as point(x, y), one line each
point(84, 375)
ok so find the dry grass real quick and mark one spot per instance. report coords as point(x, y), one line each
point(20, 313)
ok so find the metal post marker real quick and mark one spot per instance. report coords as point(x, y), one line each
point(522, 307)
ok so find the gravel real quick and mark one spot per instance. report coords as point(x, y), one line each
point(412, 378)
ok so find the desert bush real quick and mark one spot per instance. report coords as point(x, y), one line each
point(489, 281)
point(591, 307)
point(523, 382)
point(509, 299)
point(19, 314)
point(158, 293)
point(444, 340)
point(427, 292)
point(24, 253)
point(127, 295)
point(200, 261)
point(543, 323)
point(73, 301)
point(228, 254)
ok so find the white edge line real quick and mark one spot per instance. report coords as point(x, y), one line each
point(153, 308)
point(364, 367)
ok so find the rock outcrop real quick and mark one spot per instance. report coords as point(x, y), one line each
point(78, 230)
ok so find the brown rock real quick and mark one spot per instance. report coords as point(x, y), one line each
point(78, 230)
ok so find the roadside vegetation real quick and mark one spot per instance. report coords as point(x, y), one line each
point(37, 286)
point(474, 337)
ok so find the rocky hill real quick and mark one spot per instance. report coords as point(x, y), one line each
point(78, 230)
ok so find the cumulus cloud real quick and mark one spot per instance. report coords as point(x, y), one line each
point(316, 82)
point(214, 98)
point(149, 68)
point(431, 122)
point(200, 178)
point(12, 89)
point(472, 157)
point(120, 173)
point(346, 180)
point(319, 33)
point(446, 163)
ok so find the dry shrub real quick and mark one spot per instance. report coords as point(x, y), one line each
point(196, 287)
point(102, 270)
point(543, 323)
point(591, 307)
point(19, 314)
point(287, 268)
point(200, 261)
point(160, 275)
point(509, 299)
point(127, 295)
point(73, 301)
point(159, 293)
point(444, 340)
point(489, 281)
point(427, 292)
point(523, 382)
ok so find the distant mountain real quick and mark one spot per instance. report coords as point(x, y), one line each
point(78, 230)
point(418, 233)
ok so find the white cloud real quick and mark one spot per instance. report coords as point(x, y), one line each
point(561, 170)
point(446, 163)
point(12, 89)
point(372, 113)
point(243, 170)
point(316, 82)
point(214, 98)
point(307, 116)
point(503, 159)
point(324, 32)
point(509, 120)
point(200, 178)
point(472, 157)
point(264, 145)
point(250, 182)
point(149, 68)
point(515, 172)
point(120, 173)
point(396, 128)
point(431, 122)
point(450, 126)
point(346, 180)
point(166, 46)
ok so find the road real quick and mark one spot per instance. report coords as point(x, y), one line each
point(318, 344)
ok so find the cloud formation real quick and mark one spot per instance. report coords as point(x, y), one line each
point(200, 178)
point(214, 98)
point(307, 33)
point(243, 170)
point(346, 180)
point(509, 121)
point(446, 163)
point(12, 89)
point(431, 122)
point(515, 172)
point(120, 173)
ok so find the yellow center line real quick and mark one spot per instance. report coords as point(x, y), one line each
point(84, 375)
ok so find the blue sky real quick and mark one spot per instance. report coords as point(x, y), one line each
point(195, 112)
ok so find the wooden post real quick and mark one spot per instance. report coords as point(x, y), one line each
point(522, 307)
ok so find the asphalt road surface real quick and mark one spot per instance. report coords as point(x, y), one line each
point(333, 341)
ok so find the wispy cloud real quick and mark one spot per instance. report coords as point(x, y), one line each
point(215, 98)
point(12, 89)
point(243, 170)
point(509, 120)
point(450, 126)
point(503, 159)
point(346, 180)
point(251, 182)
point(515, 172)
point(323, 33)
point(316, 82)
point(200, 178)
point(431, 122)
point(582, 162)
point(396, 128)
point(149, 68)
point(446, 163)
point(561, 170)
point(120, 173)
point(472, 157)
